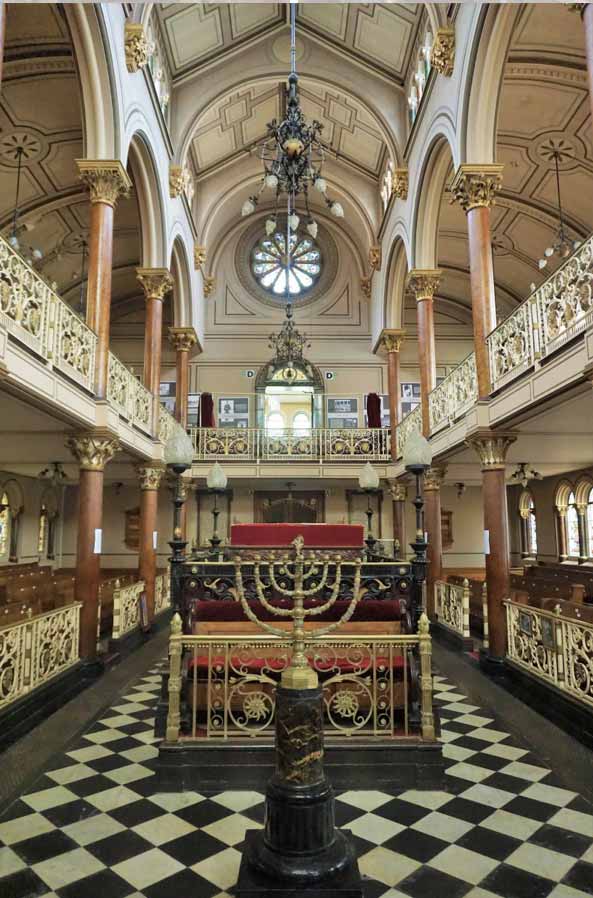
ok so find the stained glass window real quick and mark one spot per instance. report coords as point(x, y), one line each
point(532, 529)
point(268, 264)
point(4, 525)
point(42, 538)
point(590, 522)
point(572, 528)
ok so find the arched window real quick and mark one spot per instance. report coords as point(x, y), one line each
point(301, 423)
point(572, 528)
point(590, 523)
point(4, 526)
point(268, 264)
point(528, 525)
point(42, 536)
point(275, 422)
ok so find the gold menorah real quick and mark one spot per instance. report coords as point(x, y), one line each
point(309, 577)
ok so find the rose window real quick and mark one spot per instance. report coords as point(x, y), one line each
point(269, 264)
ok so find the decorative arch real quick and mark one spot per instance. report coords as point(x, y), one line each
point(569, 523)
point(182, 292)
point(562, 494)
point(582, 489)
point(393, 298)
point(13, 491)
point(430, 186)
point(151, 202)
point(528, 526)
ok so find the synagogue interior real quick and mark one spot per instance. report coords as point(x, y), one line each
point(296, 450)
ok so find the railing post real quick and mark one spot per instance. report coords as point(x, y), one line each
point(175, 650)
point(559, 649)
point(465, 609)
point(425, 652)
point(485, 639)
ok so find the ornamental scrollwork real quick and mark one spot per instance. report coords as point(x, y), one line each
point(150, 477)
point(105, 179)
point(75, 343)
point(423, 283)
point(92, 451)
point(476, 185)
point(156, 282)
point(565, 301)
point(491, 449)
point(510, 346)
point(442, 56)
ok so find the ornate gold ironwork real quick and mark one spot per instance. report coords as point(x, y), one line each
point(106, 179)
point(423, 283)
point(400, 183)
point(476, 185)
point(308, 576)
point(92, 451)
point(454, 395)
point(136, 47)
point(442, 56)
point(156, 282)
point(492, 448)
point(182, 338)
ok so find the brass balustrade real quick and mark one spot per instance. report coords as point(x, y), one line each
point(452, 606)
point(126, 608)
point(317, 444)
point(454, 395)
point(412, 422)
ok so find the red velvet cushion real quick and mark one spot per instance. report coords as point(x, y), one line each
point(366, 610)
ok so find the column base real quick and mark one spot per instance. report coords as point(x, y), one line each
point(493, 665)
point(253, 883)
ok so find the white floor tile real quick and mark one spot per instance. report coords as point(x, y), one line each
point(486, 734)
point(129, 708)
point(69, 867)
point(92, 829)
point(71, 774)
point(110, 799)
point(49, 798)
point(10, 862)
point(575, 821)
point(175, 801)
point(549, 794)
point(428, 799)
point(145, 869)
point(541, 861)
point(374, 828)
point(222, 869)
point(512, 824)
point(500, 750)
point(456, 752)
point(142, 753)
point(103, 737)
point(128, 774)
point(387, 866)
point(26, 827)
point(474, 720)
point(448, 735)
point(466, 865)
point(470, 772)
point(462, 707)
point(162, 829)
point(525, 771)
point(450, 696)
point(484, 794)
point(238, 801)
point(562, 891)
point(92, 753)
point(449, 829)
point(231, 830)
point(367, 801)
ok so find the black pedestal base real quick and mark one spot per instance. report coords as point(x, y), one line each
point(254, 884)
point(492, 665)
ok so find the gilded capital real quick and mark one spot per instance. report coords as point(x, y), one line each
point(199, 257)
point(398, 491)
point(400, 183)
point(136, 47)
point(180, 181)
point(149, 477)
point(442, 56)
point(106, 179)
point(375, 258)
point(157, 282)
point(423, 283)
point(476, 185)
point(182, 338)
point(366, 285)
point(390, 340)
point(433, 478)
point(92, 451)
point(492, 448)
point(209, 284)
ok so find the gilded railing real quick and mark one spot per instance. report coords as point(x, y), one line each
point(162, 593)
point(452, 606)
point(554, 648)
point(454, 395)
point(408, 425)
point(323, 444)
point(515, 344)
point(230, 684)
point(34, 651)
point(129, 396)
point(126, 608)
point(167, 424)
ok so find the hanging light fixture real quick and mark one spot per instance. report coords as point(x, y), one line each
point(562, 246)
point(32, 255)
point(524, 474)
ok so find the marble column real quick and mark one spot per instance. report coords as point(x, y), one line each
point(92, 451)
point(2, 36)
point(390, 341)
point(561, 512)
point(582, 519)
point(150, 481)
point(474, 187)
point(106, 181)
point(157, 282)
point(182, 339)
point(433, 480)
point(424, 284)
point(491, 448)
point(399, 496)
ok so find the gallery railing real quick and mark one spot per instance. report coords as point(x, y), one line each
point(454, 395)
point(162, 593)
point(129, 396)
point(126, 608)
point(167, 424)
point(224, 687)
point(553, 648)
point(250, 444)
point(409, 424)
point(452, 606)
point(36, 650)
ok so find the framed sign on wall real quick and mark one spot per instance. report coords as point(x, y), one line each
point(342, 412)
point(233, 411)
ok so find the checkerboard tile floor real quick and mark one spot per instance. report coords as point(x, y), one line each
point(93, 825)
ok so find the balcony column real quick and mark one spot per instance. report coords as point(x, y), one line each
point(433, 479)
point(92, 451)
point(423, 284)
point(474, 188)
point(390, 341)
point(399, 495)
point(561, 512)
point(582, 519)
point(157, 282)
point(182, 339)
point(150, 481)
point(491, 448)
point(106, 180)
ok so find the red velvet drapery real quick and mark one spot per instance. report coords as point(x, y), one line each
point(373, 410)
point(207, 410)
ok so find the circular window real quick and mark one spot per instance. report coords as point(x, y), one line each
point(268, 264)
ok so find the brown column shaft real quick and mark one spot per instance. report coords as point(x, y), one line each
point(146, 553)
point(588, 23)
point(399, 525)
point(524, 538)
point(2, 36)
point(561, 530)
point(153, 344)
point(182, 386)
point(496, 522)
point(427, 357)
point(99, 289)
point(394, 389)
point(88, 562)
point(482, 289)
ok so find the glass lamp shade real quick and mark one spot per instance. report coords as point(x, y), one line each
point(417, 452)
point(369, 479)
point(216, 479)
point(179, 449)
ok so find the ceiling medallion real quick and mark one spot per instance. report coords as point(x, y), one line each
point(26, 145)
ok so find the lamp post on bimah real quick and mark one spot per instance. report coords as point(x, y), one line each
point(299, 847)
point(417, 458)
point(179, 454)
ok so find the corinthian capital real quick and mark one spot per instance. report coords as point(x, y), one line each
point(398, 491)
point(423, 283)
point(136, 47)
point(476, 185)
point(199, 257)
point(156, 282)
point(492, 448)
point(106, 179)
point(400, 183)
point(390, 340)
point(182, 338)
point(442, 56)
point(149, 477)
point(433, 478)
point(92, 451)
point(180, 181)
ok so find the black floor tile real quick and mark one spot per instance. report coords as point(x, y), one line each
point(135, 813)
point(258, 812)
point(372, 888)
point(71, 812)
point(470, 811)
point(580, 877)
point(144, 787)
point(182, 884)
point(16, 809)
point(513, 784)
point(118, 848)
point(42, 847)
point(203, 813)
point(403, 812)
point(472, 744)
point(490, 843)
point(130, 729)
point(109, 762)
point(124, 744)
point(416, 845)
point(510, 882)
point(527, 807)
point(562, 840)
point(91, 785)
point(24, 884)
point(345, 813)
point(429, 883)
point(192, 848)
point(104, 884)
